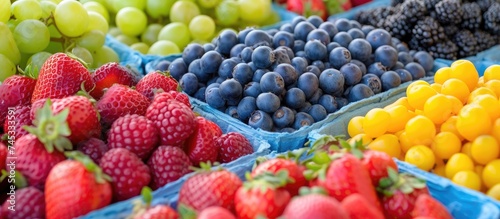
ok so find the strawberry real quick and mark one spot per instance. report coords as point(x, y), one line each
point(120, 100)
point(262, 196)
point(135, 133)
point(144, 210)
point(295, 172)
point(168, 164)
point(127, 171)
point(14, 91)
point(112, 73)
point(315, 206)
point(200, 146)
point(3, 155)
point(216, 212)
point(426, 206)
point(356, 3)
point(174, 120)
point(308, 7)
point(215, 128)
point(181, 97)
point(377, 163)
point(359, 208)
point(232, 146)
point(15, 121)
point(61, 76)
point(76, 187)
point(29, 203)
point(209, 188)
point(94, 148)
point(154, 81)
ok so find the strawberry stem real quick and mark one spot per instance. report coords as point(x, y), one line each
point(186, 212)
point(312, 190)
point(147, 195)
point(89, 165)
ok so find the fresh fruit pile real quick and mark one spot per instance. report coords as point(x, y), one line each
point(31, 30)
point(320, 8)
point(282, 80)
point(448, 29)
point(119, 138)
point(164, 27)
point(450, 127)
point(332, 183)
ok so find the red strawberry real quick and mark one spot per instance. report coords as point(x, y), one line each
point(3, 155)
point(18, 117)
point(232, 146)
point(209, 188)
point(356, 3)
point(14, 91)
point(120, 100)
point(216, 212)
point(168, 164)
point(159, 212)
point(174, 120)
point(75, 188)
point(135, 133)
point(308, 7)
point(426, 206)
point(215, 128)
point(29, 203)
point(112, 73)
point(295, 172)
point(200, 146)
point(315, 206)
point(377, 164)
point(154, 81)
point(181, 97)
point(359, 208)
point(61, 76)
point(127, 171)
point(94, 148)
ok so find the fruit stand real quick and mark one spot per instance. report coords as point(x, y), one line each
point(203, 109)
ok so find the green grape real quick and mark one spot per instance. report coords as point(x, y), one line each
point(227, 13)
point(7, 68)
point(208, 3)
point(26, 9)
point(102, 2)
point(54, 47)
point(140, 47)
point(83, 54)
point(12, 24)
point(131, 21)
point(97, 22)
point(273, 18)
point(36, 61)
point(114, 31)
point(97, 7)
point(183, 11)
point(5, 10)
point(150, 35)
point(54, 1)
point(71, 18)
point(8, 45)
point(120, 4)
point(202, 27)
point(53, 31)
point(127, 40)
point(48, 8)
point(254, 10)
point(31, 36)
point(92, 40)
point(24, 60)
point(104, 55)
point(177, 33)
point(109, 5)
point(158, 8)
point(163, 48)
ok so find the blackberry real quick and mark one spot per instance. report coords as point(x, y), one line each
point(466, 42)
point(492, 19)
point(485, 4)
point(444, 50)
point(428, 32)
point(415, 45)
point(429, 4)
point(398, 25)
point(396, 2)
point(450, 30)
point(449, 12)
point(413, 9)
point(485, 40)
point(472, 16)
point(373, 16)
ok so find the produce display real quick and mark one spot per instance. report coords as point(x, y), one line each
point(448, 29)
point(450, 127)
point(320, 7)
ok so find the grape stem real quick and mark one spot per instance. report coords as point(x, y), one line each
point(60, 39)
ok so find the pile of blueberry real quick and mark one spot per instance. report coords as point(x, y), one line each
point(283, 79)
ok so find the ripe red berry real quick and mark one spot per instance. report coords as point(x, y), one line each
point(232, 146)
point(168, 164)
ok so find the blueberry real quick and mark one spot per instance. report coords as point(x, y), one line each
point(342, 102)
point(195, 68)
point(331, 46)
point(177, 68)
point(233, 112)
point(252, 89)
point(220, 80)
point(258, 38)
point(298, 45)
point(231, 89)
point(162, 65)
point(200, 94)
point(342, 38)
point(367, 29)
point(287, 27)
point(272, 82)
point(301, 54)
point(246, 54)
point(360, 49)
point(281, 56)
point(373, 82)
point(296, 20)
point(315, 97)
point(313, 69)
point(305, 108)
point(295, 98)
point(355, 24)
point(401, 47)
point(399, 65)
point(210, 62)
point(359, 92)
point(315, 20)
point(315, 50)
point(339, 57)
point(252, 66)
point(302, 119)
point(257, 75)
point(320, 35)
point(412, 52)
point(329, 102)
point(302, 29)
point(352, 74)
point(299, 64)
point(425, 60)
point(245, 108)
point(405, 57)
point(395, 41)
point(360, 65)
point(242, 35)
point(378, 38)
point(283, 117)
point(191, 52)
point(208, 47)
point(308, 83)
point(390, 79)
point(214, 98)
point(343, 24)
point(261, 120)
point(288, 73)
point(318, 112)
point(416, 70)
point(288, 50)
point(226, 68)
point(268, 102)
point(225, 42)
point(233, 102)
point(320, 64)
point(283, 38)
point(377, 68)
point(215, 84)
point(386, 55)
point(331, 81)
point(356, 33)
point(242, 73)
point(236, 50)
point(272, 32)
point(263, 57)
point(327, 65)
point(236, 59)
point(329, 28)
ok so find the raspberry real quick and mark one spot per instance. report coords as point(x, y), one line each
point(168, 164)
point(232, 146)
point(30, 203)
point(94, 148)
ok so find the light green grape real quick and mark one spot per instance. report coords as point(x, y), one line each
point(183, 11)
point(54, 47)
point(26, 9)
point(131, 21)
point(97, 7)
point(120, 4)
point(53, 31)
point(5, 10)
point(227, 13)
point(7, 68)
point(208, 3)
point(31, 36)
point(140, 47)
point(8, 45)
point(163, 48)
point(104, 55)
point(36, 61)
point(202, 27)
point(273, 18)
point(109, 5)
point(102, 2)
point(127, 40)
point(54, 1)
point(92, 40)
point(83, 54)
point(12, 24)
point(71, 18)
point(254, 10)
point(97, 22)
point(150, 35)
point(114, 31)
point(48, 8)
point(177, 33)
point(158, 8)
